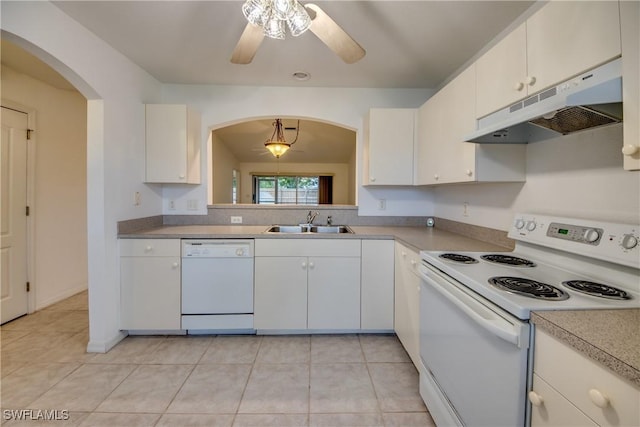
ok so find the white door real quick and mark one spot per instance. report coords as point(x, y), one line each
point(13, 219)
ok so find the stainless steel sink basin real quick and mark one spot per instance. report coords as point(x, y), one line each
point(331, 229)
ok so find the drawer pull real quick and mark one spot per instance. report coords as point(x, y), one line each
point(149, 248)
point(175, 265)
point(598, 398)
point(535, 399)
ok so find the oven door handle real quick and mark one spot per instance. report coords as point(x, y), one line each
point(478, 312)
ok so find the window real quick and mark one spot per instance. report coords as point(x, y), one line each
point(289, 190)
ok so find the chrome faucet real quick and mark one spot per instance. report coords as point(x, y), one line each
point(311, 216)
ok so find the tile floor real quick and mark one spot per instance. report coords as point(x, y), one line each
point(331, 381)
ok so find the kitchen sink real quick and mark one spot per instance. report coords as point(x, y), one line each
point(330, 229)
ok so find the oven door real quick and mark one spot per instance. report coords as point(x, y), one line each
point(475, 356)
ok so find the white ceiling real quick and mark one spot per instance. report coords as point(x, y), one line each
point(409, 44)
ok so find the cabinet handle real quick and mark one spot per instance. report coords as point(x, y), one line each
point(468, 172)
point(311, 265)
point(630, 149)
point(175, 265)
point(531, 80)
point(535, 399)
point(404, 254)
point(372, 179)
point(413, 262)
point(304, 265)
point(149, 248)
point(436, 177)
point(518, 86)
point(598, 398)
point(181, 177)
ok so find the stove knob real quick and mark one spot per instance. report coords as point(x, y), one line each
point(629, 241)
point(519, 224)
point(591, 235)
point(239, 252)
point(531, 225)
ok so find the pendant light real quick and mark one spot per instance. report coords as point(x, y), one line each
point(277, 145)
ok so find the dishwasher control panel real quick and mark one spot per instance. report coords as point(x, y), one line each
point(213, 248)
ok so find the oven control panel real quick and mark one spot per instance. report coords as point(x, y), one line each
point(616, 242)
point(575, 233)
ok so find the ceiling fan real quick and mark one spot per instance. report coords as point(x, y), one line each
point(268, 17)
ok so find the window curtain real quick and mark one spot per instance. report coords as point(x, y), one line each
point(325, 190)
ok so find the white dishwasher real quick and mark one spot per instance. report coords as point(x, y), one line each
point(217, 286)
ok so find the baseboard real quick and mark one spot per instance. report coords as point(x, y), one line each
point(104, 346)
point(61, 296)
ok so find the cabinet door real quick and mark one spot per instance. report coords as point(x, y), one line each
point(565, 38)
point(172, 144)
point(407, 301)
point(150, 292)
point(334, 293)
point(630, 29)
point(376, 302)
point(501, 73)
point(389, 141)
point(280, 293)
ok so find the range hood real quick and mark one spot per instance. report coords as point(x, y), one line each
point(591, 99)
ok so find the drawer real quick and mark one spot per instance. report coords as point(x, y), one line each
point(554, 410)
point(575, 376)
point(308, 247)
point(408, 257)
point(150, 247)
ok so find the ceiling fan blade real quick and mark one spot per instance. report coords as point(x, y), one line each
point(248, 44)
point(334, 36)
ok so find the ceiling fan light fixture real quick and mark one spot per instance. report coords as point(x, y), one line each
point(283, 9)
point(256, 11)
point(277, 145)
point(274, 28)
point(300, 21)
point(271, 16)
point(277, 148)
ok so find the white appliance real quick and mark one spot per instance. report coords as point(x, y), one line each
point(217, 285)
point(475, 336)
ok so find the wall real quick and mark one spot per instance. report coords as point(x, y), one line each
point(59, 208)
point(578, 175)
point(338, 170)
point(116, 90)
point(224, 105)
point(224, 164)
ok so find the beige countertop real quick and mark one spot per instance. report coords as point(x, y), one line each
point(420, 238)
point(611, 337)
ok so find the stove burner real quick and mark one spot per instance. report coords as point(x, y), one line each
point(597, 289)
point(508, 260)
point(529, 288)
point(459, 258)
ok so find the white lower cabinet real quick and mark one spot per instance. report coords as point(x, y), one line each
point(149, 284)
point(307, 284)
point(376, 302)
point(569, 389)
point(407, 300)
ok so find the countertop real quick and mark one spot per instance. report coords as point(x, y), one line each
point(611, 337)
point(419, 238)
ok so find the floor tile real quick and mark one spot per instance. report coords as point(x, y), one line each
point(7, 336)
point(271, 420)
point(341, 388)
point(101, 419)
point(212, 389)
point(336, 349)
point(195, 420)
point(31, 381)
point(35, 321)
point(74, 321)
point(396, 385)
point(277, 389)
point(79, 301)
point(133, 349)
point(412, 419)
point(345, 420)
point(8, 366)
point(85, 388)
point(34, 343)
point(72, 350)
point(383, 348)
point(150, 388)
point(232, 349)
point(185, 350)
point(284, 349)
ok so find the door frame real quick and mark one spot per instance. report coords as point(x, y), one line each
point(31, 202)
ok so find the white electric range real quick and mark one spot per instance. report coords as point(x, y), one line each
point(476, 341)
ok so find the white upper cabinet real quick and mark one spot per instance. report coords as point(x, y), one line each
point(389, 146)
point(442, 156)
point(172, 144)
point(561, 40)
point(630, 13)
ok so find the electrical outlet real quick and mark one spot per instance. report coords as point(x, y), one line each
point(382, 204)
point(236, 220)
point(465, 209)
point(172, 205)
point(137, 198)
point(192, 205)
